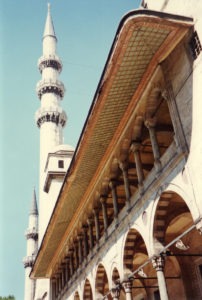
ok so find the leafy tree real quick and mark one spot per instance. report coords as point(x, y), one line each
point(10, 297)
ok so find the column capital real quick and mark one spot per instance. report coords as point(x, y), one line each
point(135, 146)
point(85, 227)
point(127, 285)
point(123, 166)
point(90, 221)
point(115, 292)
point(113, 183)
point(150, 122)
point(95, 211)
point(158, 263)
point(103, 199)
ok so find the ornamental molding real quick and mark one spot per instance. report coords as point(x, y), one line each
point(54, 115)
point(31, 234)
point(50, 86)
point(52, 61)
point(28, 261)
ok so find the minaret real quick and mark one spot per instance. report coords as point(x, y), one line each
point(50, 117)
point(32, 247)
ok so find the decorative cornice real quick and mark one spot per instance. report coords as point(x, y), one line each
point(31, 234)
point(28, 261)
point(49, 86)
point(55, 116)
point(51, 61)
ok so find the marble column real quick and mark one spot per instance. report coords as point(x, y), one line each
point(103, 200)
point(112, 185)
point(85, 241)
point(123, 167)
point(150, 124)
point(97, 225)
point(67, 275)
point(135, 147)
point(53, 288)
point(80, 250)
point(76, 254)
point(158, 264)
point(91, 239)
point(127, 285)
point(71, 263)
point(115, 292)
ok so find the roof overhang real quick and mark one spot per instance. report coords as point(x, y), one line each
point(143, 40)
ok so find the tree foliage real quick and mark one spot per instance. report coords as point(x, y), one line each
point(10, 297)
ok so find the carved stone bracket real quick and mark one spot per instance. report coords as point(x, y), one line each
point(158, 263)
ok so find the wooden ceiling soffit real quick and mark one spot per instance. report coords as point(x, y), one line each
point(143, 40)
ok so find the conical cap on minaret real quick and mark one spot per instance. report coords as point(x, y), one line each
point(33, 208)
point(49, 28)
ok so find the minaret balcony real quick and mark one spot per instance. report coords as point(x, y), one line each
point(50, 61)
point(28, 261)
point(31, 233)
point(50, 86)
point(55, 115)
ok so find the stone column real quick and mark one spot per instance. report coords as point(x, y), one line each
point(158, 264)
point(59, 283)
point(127, 285)
point(75, 254)
point(103, 200)
point(80, 249)
point(97, 225)
point(62, 278)
point(53, 289)
point(123, 167)
point(150, 124)
point(85, 241)
point(140, 174)
point(90, 225)
point(115, 292)
point(56, 287)
point(71, 263)
point(67, 275)
point(112, 185)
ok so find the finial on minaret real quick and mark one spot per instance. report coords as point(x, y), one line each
point(33, 208)
point(49, 28)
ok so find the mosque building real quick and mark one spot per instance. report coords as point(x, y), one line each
point(120, 217)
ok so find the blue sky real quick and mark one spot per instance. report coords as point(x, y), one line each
point(85, 30)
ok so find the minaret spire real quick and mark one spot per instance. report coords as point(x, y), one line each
point(49, 27)
point(33, 208)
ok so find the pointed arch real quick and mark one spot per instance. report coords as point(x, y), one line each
point(172, 218)
point(101, 282)
point(76, 296)
point(87, 293)
point(135, 254)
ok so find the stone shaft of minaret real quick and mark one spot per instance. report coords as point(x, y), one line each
point(32, 248)
point(50, 117)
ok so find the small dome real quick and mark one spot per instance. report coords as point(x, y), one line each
point(63, 147)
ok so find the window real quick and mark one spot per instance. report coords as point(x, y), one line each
point(157, 295)
point(195, 45)
point(61, 164)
